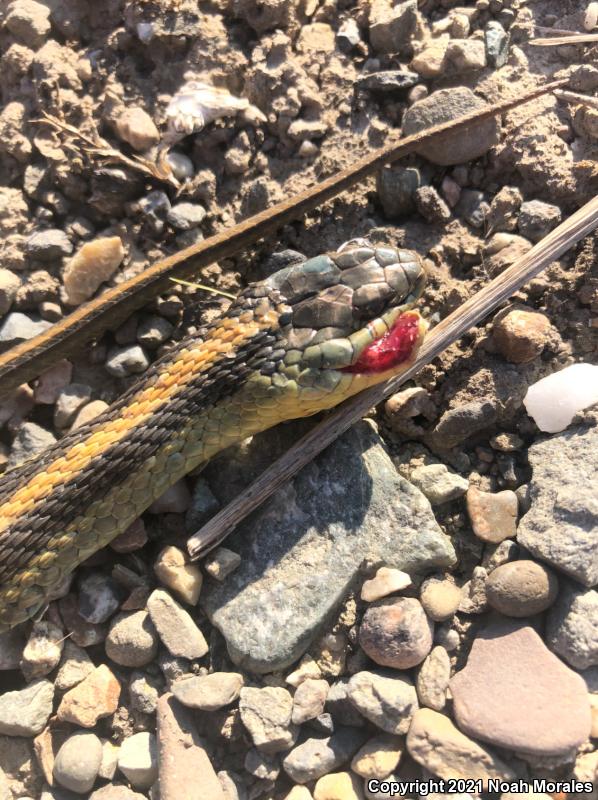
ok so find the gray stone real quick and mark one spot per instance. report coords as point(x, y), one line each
point(30, 440)
point(262, 766)
point(176, 628)
point(442, 106)
point(391, 26)
point(348, 35)
point(396, 188)
point(129, 360)
point(388, 699)
point(208, 692)
point(203, 506)
point(99, 597)
point(521, 588)
point(18, 327)
point(266, 713)
point(181, 165)
point(536, 219)
point(75, 666)
point(562, 525)
point(185, 216)
point(572, 627)
point(438, 483)
point(116, 792)
point(138, 760)
point(48, 245)
point(70, 401)
point(26, 712)
point(78, 762)
point(472, 206)
point(302, 551)
point(154, 207)
point(496, 40)
point(389, 80)
point(153, 331)
point(143, 693)
point(431, 205)
point(132, 640)
point(316, 757)
point(341, 709)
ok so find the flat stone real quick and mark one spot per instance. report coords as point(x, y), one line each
point(561, 526)
point(435, 743)
point(208, 692)
point(396, 632)
point(48, 245)
point(493, 517)
point(186, 772)
point(344, 507)
point(438, 483)
point(442, 106)
point(521, 588)
point(266, 713)
point(95, 697)
point(18, 327)
point(175, 626)
point(78, 762)
point(26, 712)
point(138, 759)
point(389, 80)
point(316, 757)
point(385, 698)
point(514, 693)
point(572, 626)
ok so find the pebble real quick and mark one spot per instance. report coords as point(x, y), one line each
point(136, 127)
point(175, 500)
point(435, 743)
point(314, 758)
point(386, 581)
point(266, 713)
point(94, 263)
point(128, 360)
point(451, 192)
point(389, 80)
point(9, 284)
point(29, 440)
point(154, 207)
point(431, 205)
point(537, 219)
point(464, 55)
point(302, 129)
point(132, 539)
point(78, 762)
point(338, 786)
point(378, 757)
point(590, 18)
point(173, 569)
point(388, 700)
point(29, 22)
point(88, 412)
point(396, 187)
point(181, 165)
point(521, 588)
point(429, 61)
point(132, 640)
point(154, 331)
point(348, 35)
point(442, 106)
point(473, 208)
point(138, 760)
point(433, 679)
point(185, 216)
point(396, 632)
point(208, 692)
point(221, 562)
point(143, 694)
point(473, 598)
point(182, 758)
point(521, 334)
point(43, 650)
point(572, 628)
point(26, 712)
point(203, 506)
point(496, 41)
point(307, 668)
point(298, 793)
point(81, 632)
point(109, 761)
point(99, 597)
point(69, 402)
point(438, 483)
point(18, 327)
point(116, 792)
point(52, 382)
point(95, 697)
point(175, 627)
point(504, 209)
point(309, 700)
point(440, 598)
point(516, 694)
point(49, 245)
point(391, 27)
point(493, 517)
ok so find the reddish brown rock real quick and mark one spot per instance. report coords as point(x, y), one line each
point(396, 632)
point(493, 516)
point(95, 697)
point(516, 694)
point(521, 334)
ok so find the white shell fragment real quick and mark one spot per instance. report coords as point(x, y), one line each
point(553, 401)
point(196, 104)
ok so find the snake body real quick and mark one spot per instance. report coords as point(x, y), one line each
point(300, 341)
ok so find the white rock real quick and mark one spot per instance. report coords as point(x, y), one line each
point(386, 581)
point(590, 19)
point(138, 761)
point(553, 401)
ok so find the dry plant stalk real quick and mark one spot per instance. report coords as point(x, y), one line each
point(442, 336)
point(578, 99)
point(576, 38)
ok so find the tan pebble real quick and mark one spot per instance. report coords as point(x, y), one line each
point(89, 412)
point(493, 516)
point(93, 264)
point(521, 335)
point(43, 650)
point(221, 563)
point(174, 571)
point(309, 700)
point(307, 668)
point(378, 757)
point(136, 127)
point(440, 597)
point(433, 679)
point(338, 786)
point(299, 793)
point(385, 582)
point(95, 697)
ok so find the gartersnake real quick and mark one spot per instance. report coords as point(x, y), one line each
point(300, 341)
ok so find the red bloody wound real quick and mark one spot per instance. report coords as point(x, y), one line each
point(390, 350)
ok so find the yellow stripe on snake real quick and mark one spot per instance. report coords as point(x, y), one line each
point(303, 340)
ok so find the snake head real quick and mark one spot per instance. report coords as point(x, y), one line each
point(346, 320)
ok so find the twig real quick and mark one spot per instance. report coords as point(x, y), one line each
point(574, 97)
point(577, 38)
point(448, 331)
point(28, 359)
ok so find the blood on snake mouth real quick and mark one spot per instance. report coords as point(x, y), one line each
point(391, 349)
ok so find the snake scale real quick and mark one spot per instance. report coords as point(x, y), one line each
point(298, 342)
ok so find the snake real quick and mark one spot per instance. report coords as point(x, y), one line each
point(300, 341)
